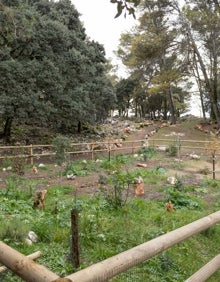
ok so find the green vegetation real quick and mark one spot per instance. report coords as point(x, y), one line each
point(57, 73)
point(112, 220)
point(61, 145)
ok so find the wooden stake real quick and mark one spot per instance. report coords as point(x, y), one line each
point(117, 264)
point(75, 238)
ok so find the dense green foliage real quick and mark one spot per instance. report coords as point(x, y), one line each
point(51, 73)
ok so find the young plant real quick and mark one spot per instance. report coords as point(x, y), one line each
point(115, 162)
point(172, 150)
point(148, 153)
point(117, 195)
point(182, 200)
point(61, 145)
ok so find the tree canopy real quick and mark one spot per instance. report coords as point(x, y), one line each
point(172, 43)
point(51, 72)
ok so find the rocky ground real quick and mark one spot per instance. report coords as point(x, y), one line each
point(129, 130)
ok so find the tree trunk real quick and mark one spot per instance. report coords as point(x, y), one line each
point(209, 87)
point(79, 127)
point(199, 83)
point(171, 105)
point(208, 83)
point(7, 130)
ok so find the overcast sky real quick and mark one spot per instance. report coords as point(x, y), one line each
point(100, 24)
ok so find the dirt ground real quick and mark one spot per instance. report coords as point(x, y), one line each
point(191, 174)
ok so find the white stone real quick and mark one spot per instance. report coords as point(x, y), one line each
point(32, 236)
point(171, 180)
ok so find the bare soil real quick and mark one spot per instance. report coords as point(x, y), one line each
point(190, 172)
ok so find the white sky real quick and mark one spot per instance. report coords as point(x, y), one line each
point(100, 24)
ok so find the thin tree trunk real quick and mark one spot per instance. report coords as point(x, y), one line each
point(7, 129)
point(79, 127)
point(171, 105)
point(208, 84)
point(199, 82)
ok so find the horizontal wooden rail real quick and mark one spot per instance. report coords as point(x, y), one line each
point(31, 256)
point(206, 271)
point(104, 146)
point(119, 263)
point(23, 266)
point(30, 271)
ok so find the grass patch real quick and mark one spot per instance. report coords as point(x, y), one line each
point(107, 229)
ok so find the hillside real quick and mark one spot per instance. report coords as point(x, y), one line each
point(190, 171)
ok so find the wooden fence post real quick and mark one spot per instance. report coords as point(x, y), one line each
point(75, 237)
point(92, 148)
point(213, 165)
point(117, 264)
point(179, 147)
point(109, 153)
point(31, 154)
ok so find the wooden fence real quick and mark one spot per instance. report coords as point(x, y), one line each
point(31, 271)
point(35, 153)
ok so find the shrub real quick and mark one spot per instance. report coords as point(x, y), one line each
point(148, 153)
point(172, 150)
point(117, 195)
point(13, 231)
point(115, 162)
point(61, 144)
point(181, 200)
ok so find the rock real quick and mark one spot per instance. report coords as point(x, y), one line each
point(70, 176)
point(172, 180)
point(28, 242)
point(161, 148)
point(194, 156)
point(32, 236)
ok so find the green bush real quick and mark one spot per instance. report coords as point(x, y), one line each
point(148, 153)
point(61, 145)
point(13, 231)
point(172, 150)
point(182, 200)
point(117, 194)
